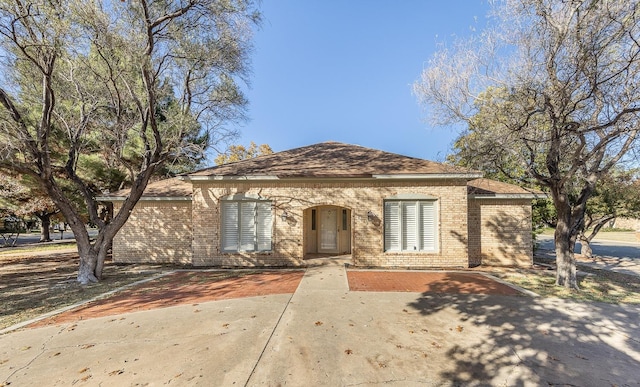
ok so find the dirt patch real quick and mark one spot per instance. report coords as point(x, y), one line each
point(34, 284)
point(191, 287)
point(426, 282)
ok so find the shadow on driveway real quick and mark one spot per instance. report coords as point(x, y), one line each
point(550, 340)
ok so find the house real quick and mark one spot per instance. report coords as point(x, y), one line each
point(331, 198)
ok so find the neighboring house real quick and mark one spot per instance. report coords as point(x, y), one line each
point(380, 208)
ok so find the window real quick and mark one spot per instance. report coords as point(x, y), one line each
point(410, 225)
point(313, 220)
point(345, 220)
point(246, 225)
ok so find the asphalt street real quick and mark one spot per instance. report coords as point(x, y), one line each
point(603, 248)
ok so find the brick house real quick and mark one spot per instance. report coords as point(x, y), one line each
point(380, 208)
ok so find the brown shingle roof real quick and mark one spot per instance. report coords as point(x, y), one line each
point(331, 160)
point(488, 187)
point(173, 187)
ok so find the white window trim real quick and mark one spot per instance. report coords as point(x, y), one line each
point(419, 226)
point(256, 231)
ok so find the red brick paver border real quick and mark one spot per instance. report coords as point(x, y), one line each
point(183, 288)
point(423, 282)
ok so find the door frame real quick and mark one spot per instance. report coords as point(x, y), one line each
point(312, 235)
point(336, 229)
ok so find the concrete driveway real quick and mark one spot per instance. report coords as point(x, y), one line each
point(325, 334)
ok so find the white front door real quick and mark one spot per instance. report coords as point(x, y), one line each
point(328, 230)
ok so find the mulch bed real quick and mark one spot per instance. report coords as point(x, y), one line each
point(423, 282)
point(183, 288)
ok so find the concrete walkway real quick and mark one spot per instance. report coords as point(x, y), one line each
point(325, 334)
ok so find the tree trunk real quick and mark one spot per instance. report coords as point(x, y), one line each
point(45, 223)
point(92, 257)
point(102, 255)
point(565, 240)
point(585, 246)
point(88, 263)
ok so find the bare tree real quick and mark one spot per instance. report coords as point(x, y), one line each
point(616, 195)
point(552, 85)
point(137, 83)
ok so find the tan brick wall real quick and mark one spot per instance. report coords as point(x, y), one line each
point(628, 223)
point(500, 231)
point(359, 197)
point(156, 231)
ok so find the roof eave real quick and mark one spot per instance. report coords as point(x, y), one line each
point(144, 198)
point(226, 177)
point(429, 176)
point(527, 196)
point(406, 176)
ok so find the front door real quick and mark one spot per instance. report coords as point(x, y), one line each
point(328, 230)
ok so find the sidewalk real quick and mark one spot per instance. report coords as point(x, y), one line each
point(325, 334)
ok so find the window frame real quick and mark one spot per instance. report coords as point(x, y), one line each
point(399, 245)
point(259, 231)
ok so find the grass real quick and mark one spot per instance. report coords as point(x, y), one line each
point(59, 296)
point(595, 285)
point(32, 249)
point(34, 285)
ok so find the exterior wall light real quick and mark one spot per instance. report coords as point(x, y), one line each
point(371, 216)
point(284, 216)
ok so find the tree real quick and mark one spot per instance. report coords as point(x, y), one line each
point(136, 84)
point(239, 152)
point(552, 86)
point(616, 195)
point(26, 199)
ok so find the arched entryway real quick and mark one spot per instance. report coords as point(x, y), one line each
point(327, 231)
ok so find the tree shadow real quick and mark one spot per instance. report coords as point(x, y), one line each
point(539, 341)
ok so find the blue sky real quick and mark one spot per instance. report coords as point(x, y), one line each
point(342, 71)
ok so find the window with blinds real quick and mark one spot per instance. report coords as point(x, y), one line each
point(246, 225)
point(410, 225)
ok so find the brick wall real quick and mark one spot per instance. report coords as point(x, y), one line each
point(500, 232)
point(157, 231)
point(359, 197)
point(628, 223)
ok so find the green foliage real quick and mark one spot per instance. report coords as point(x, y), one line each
point(100, 95)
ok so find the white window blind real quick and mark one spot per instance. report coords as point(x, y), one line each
point(230, 226)
point(246, 225)
point(410, 225)
point(264, 222)
point(392, 226)
point(428, 224)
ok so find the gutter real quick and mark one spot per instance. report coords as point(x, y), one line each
point(529, 196)
point(425, 176)
point(145, 198)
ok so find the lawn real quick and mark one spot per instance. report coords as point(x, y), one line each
point(595, 285)
point(33, 285)
point(37, 282)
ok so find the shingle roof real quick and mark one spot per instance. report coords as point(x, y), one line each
point(173, 187)
point(327, 160)
point(331, 160)
point(487, 187)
